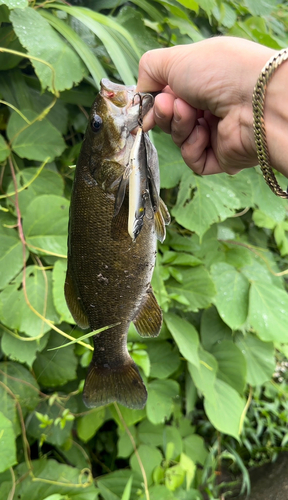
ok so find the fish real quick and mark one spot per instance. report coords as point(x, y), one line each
point(108, 280)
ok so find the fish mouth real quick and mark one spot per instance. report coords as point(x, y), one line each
point(123, 99)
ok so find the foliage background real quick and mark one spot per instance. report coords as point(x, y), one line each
point(215, 401)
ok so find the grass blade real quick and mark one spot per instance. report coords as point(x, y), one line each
point(86, 336)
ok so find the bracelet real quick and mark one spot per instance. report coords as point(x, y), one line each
point(258, 102)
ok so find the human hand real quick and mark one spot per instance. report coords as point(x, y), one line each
point(206, 102)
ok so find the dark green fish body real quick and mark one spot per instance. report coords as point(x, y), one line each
point(108, 275)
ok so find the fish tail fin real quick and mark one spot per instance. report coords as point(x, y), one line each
point(122, 384)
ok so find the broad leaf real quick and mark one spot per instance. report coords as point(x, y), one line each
point(46, 224)
point(23, 351)
point(150, 458)
point(150, 434)
point(37, 36)
point(185, 336)
point(16, 313)
point(163, 358)
point(204, 376)
point(225, 412)
point(268, 312)
point(39, 141)
point(58, 277)
point(88, 425)
point(33, 182)
point(54, 368)
point(53, 433)
point(194, 447)
point(4, 149)
point(231, 364)
point(13, 4)
point(232, 296)
point(213, 329)
point(21, 383)
point(160, 400)
point(259, 357)
point(11, 253)
point(171, 163)
point(112, 485)
point(213, 200)
point(197, 288)
point(8, 445)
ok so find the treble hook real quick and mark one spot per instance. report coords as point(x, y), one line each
point(141, 99)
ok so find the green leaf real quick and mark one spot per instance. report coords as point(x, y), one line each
point(194, 447)
point(124, 444)
point(21, 383)
point(4, 149)
point(30, 184)
point(150, 458)
point(88, 425)
point(163, 358)
point(46, 224)
point(112, 485)
point(62, 479)
point(7, 444)
point(129, 416)
point(107, 29)
point(15, 312)
point(259, 357)
point(93, 64)
point(9, 410)
point(55, 368)
point(52, 433)
point(185, 336)
point(171, 435)
point(127, 490)
point(22, 351)
point(174, 477)
point(13, 4)
point(170, 160)
point(263, 220)
point(207, 5)
point(213, 329)
point(231, 301)
point(214, 200)
point(37, 36)
point(225, 412)
point(150, 434)
point(197, 287)
point(11, 251)
point(261, 7)
point(204, 377)
point(264, 199)
point(160, 400)
point(268, 312)
point(58, 277)
point(39, 141)
point(231, 364)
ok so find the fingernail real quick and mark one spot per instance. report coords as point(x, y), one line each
point(193, 136)
point(158, 114)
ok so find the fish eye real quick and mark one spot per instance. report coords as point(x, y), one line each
point(96, 123)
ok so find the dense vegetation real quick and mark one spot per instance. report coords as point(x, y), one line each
point(215, 400)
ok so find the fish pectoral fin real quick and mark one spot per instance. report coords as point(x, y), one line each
point(162, 218)
point(120, 195)
point(73, 302)
point(119, 223)
point(148, 320)
point(123, 384)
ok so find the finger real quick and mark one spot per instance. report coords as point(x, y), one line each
point(183, 121)
point(163, 111)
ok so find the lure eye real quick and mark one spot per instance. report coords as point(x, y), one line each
point(96, 123)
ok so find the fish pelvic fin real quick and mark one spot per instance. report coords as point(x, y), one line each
point(73, 301)
point(148, 320)
point(122, 384)
point(162, 219)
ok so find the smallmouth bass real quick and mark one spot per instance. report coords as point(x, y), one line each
point(108, 271)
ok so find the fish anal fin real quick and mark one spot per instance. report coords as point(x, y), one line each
point(164, 211)
point(122, 384)
point(73, 302)
point(148, 320)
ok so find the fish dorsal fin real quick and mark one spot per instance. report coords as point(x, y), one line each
point(162, 218)
point(73, 301)
point(148, 320)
